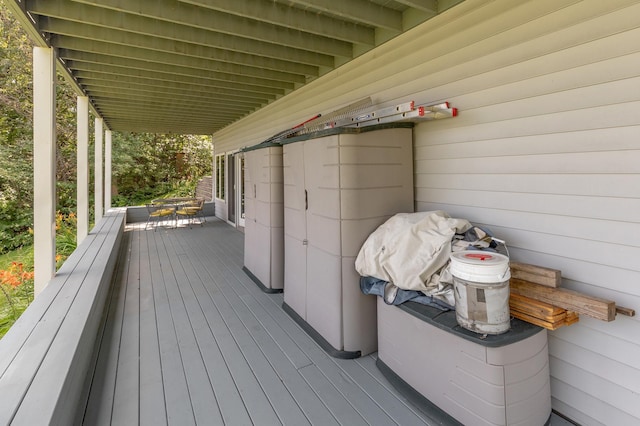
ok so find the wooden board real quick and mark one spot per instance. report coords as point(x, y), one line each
point(535, 307)
point(537, 321)
point(594, 307)
point(625, 311)
point(536, 274)
point(568, 319)
point(572, 318)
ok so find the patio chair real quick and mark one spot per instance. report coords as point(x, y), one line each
point(192, 210)
point(158, 213)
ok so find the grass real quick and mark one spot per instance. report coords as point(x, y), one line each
point(23, 255)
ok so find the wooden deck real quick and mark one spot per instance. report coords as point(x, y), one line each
point(190, 339)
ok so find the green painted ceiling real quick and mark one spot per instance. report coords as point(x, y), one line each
point(195, 66)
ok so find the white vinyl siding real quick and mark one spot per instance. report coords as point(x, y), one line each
point(545, 152)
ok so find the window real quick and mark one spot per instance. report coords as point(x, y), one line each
point(242, 186)
point(220, 161)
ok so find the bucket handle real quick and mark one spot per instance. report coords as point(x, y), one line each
point(508, 270)
point(503, 243)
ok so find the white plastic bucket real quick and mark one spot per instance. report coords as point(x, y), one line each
point(481, 291)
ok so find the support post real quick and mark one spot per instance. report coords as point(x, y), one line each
point(44, 166)
point(107, 170)
point(82, 169)
point(98, 181)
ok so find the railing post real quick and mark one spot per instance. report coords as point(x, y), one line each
point(44, 166)
point(98, 181)
point(107, 169)
point(83, 168)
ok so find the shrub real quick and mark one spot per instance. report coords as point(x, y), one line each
point(16, 286)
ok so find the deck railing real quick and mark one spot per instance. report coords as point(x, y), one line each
point(140, 213)
point(46, 357)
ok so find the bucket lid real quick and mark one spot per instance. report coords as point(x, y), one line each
point(480, 266)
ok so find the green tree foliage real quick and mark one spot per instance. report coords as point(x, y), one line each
point(16, 174)
point(148, 165)
point(16, 137)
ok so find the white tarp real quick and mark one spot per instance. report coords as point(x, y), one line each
point(409, 249)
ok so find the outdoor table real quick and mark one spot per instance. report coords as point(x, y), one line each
point(182, 207)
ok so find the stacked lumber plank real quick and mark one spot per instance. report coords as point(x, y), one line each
point(536, 274)
point(540, 313)
point(535, 297)
point(531, 306)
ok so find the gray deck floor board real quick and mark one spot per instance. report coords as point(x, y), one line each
point(190, 339)
point(200, 390)
point(399, 408)
point(283, 355)
point(208, 330)
point(125, 403)
point(337, 381)
point(151, 393)
point(274, 403)
point(336, 402)
point(221, 319)
point(339, 378)
point(178, 404)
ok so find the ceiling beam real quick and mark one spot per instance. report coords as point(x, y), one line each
point(203, 126)
point(200, 121)
point(362, 11)
point(179, 121)
point(429, 6)
point(74, 59)
point(161, 128)
point(178, 109)
point(101, 35)
point(102, 78)
point(108, 72)
point(291, 17)
point(166, 58)
point(117, 111)
point(160, 114)
point(166, 114)
point(186, 14)
point(167, 118)
point(126, 95)
point(135, 90)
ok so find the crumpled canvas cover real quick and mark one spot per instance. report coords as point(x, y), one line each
point(409, 248)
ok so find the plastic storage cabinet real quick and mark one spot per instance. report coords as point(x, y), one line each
point(264, 217)
point(339, 186)
point(456, 375)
